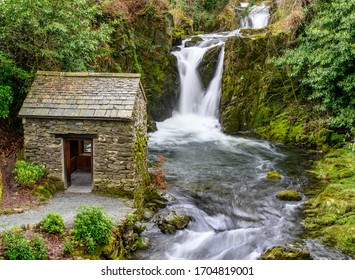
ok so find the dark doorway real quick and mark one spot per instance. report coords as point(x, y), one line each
point(78, 164)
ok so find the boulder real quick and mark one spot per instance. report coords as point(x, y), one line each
point(193, 42)
point(281, 253)
point(289, 195)
point(273, 175)
point(208, 65)
point(173, 222)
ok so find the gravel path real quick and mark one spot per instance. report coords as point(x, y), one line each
point(66, 203)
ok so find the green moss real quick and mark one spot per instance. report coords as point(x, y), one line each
point(43, 192)
point(289, 195)
point(273, 175)
point(341, 236)
point(330, 213)
point(115, 192)
point(280, 253)
point(140, 159)
point(208, 65)
point(251, 85)
point(174, 222)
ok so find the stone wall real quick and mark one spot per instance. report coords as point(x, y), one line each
point(113, 164)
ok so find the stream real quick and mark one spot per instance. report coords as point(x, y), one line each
point(220, 180)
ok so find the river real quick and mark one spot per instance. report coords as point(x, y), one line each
point(220, 180)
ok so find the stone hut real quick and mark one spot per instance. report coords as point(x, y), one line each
point(86, 128)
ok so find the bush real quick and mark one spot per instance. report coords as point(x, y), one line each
point(27, 174)
point(53, 223)
point(39, 247)
point(17, 247)
point(92, 226)
point(328, 74)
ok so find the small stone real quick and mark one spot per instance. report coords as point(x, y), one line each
point(148, 214)
point(280, 253)
point(273, 175)
point(18, 210)
point(289, 195)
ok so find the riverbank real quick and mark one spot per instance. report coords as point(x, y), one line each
point(330, 211)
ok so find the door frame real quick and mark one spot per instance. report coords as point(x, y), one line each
point(66, 158)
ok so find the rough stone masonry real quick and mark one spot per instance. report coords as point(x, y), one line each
point(110, 108)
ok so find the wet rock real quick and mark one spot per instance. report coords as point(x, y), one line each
point(152, 125)
point(168, 197)
point(193, 42)
point(148, 214)
point(208, 65)
point(173, 222)
point(142, 243)
point(273, 175)
point(289, 195)
point(139, 227)
point(281, 253)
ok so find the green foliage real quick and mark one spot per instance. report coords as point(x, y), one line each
point(27, 174)
point(324, 61)
point(18, 247)
point(53, 35)
point(47, 35)
point(39, 247)
point(68, 247)
point(92, 226)
point(53, 223)
point(8, 72)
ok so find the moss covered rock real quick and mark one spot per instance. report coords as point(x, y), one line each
point(208, 65)
point(228, 18)
point(193, 41)
point(330, 213)
point(280, 253)
point(173, 222)
point(250, 81)
point(289, 195)
point(273, 175)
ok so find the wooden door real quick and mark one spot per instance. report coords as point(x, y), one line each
point(67, 162)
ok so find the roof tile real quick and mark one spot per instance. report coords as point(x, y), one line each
point(82, 95)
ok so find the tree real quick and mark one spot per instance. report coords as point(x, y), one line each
point(8, 73)
point(324, 61)
point(56, 35)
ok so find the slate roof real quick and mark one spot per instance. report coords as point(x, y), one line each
point(82, 95)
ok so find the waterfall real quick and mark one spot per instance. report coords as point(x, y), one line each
point(217, 179)
point(194, 99)
point(258, 16)
point(196, 116)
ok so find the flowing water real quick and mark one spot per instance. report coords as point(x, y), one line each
point(220, 180)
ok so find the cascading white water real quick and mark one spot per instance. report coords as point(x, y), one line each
point(196, 116)
point(219, 180)
point(258, 16)
point(193, 97)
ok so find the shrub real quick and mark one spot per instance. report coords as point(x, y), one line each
point(92, 226)
point(328, 74)
point(39, 247)
point(53, 223)
point(17, 247)
point(27, 174)
point(68, 247)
